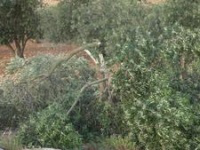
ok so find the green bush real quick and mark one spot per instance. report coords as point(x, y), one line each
point(96, 119)
point(14, 65)
point(119, 143)
point(108, 21)
point(183, 12)
point(49, 23)
point(10, 143)
point(161, 118)
point(56, 21)
point(26, 92)
point(159, 115)
point(29, 95)
point(50, 128)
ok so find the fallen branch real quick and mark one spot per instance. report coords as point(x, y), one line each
point(82, 90)
point(74, 52)
point(58, 63)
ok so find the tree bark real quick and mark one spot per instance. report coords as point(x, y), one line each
point(19, 49)
point(19, 52)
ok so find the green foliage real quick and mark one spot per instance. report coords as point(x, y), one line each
point(119, 143)
point(112, 143)
point(10, 143)
point(159, 116)
point(14, 65)
point(56, 21)
point(18, 23)
point(96, 119)
point(185, 13)
point(156, 85)
point(107, 20)
point(181, 42)
point(49, 23)
point(50, 128)
point(156, 67)
point(161, 120)
point(27, 93)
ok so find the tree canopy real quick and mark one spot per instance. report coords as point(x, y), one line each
point(19, 22)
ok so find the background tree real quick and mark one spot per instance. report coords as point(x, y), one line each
point(18, 23)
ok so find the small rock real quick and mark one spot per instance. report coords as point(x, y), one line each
point(1, 148)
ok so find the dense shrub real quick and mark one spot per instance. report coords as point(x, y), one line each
point(185, 13)
point(10, 142)
point(107, 20)
point(56, 21)
point(26, 93)
point(160, 116)
point(49, 23)
point(119, 143)
point(50, 128)
point(97, 119)
point(156, 83)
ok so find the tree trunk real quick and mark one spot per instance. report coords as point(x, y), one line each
point(19, 53)
point(20, 46)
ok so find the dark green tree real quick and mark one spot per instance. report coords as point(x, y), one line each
point(19, 22)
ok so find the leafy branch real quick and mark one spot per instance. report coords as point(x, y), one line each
point(82, 90)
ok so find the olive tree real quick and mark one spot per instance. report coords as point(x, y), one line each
point(19, 22)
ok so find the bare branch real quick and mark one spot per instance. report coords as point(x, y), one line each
point(74, 52)
point(82, 90)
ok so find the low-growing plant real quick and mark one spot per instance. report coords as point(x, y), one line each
point(50, 128)
point(99, 119)
point(10, 142)
point(119, 143)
